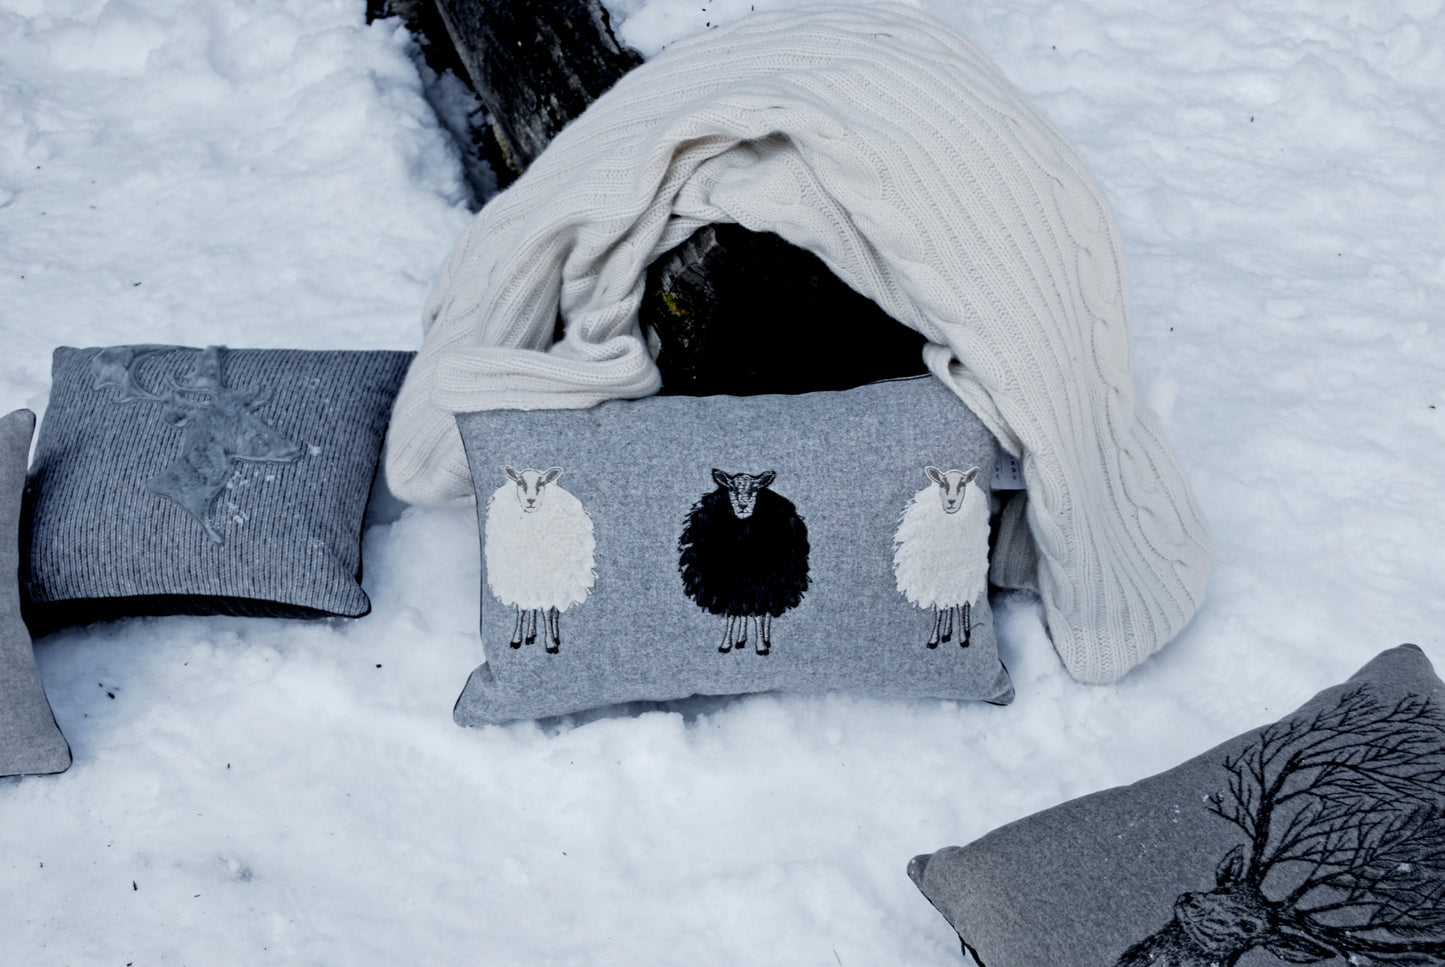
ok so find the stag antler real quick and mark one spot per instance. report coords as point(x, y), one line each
point(220, 422)
point(1386, 879)
point(1345, 855)
point(115, 368)
point(1347, 806)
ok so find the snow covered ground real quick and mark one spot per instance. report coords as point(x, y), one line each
point(269, 173)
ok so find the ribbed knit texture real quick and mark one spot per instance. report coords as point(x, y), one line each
point(102, 542)
point(878, 139)
point(30, 741)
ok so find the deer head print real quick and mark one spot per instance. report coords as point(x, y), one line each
point(1345, 850)
point(221, 423)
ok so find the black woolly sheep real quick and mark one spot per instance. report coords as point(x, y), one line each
point(744, 554)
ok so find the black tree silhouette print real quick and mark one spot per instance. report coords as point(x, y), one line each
point(1344, 855)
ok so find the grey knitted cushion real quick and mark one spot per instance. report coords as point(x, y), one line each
point(30, 741)
point(634, 578)
point(171, 480)
point(1318, 839)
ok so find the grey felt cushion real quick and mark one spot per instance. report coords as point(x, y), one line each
point(1318, 839)
point(661, 591)
point(176, 480)
point(30, 741)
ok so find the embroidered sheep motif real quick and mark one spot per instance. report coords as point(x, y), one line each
point(538, 548)
point(744, 554)
point(940, 556)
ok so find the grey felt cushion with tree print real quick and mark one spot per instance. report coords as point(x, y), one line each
point(172, 480)
point(1318, 839)
point(673, 546)
point(30, 741)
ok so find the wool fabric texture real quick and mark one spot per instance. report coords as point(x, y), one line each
point(1132, 875)
point(663, 576)
point(540, 558)
point(753, 566)
point(883, 142)
point(106, 534)
point(926, 554)
point(30, 741)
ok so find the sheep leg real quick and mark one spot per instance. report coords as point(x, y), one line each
point(531, 625)
point(937, 623)
point(948, 623)
point(517, 629)
point(741, 643)
point(965, 621)
point(727, 644)
point(765, 633)
point(554, 631)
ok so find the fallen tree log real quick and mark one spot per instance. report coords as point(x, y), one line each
point(729, 310)
point(741, 312)
point(535, 65)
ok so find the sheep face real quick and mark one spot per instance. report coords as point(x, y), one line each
point(531, 484)
point(743, 490)
point(951, 484)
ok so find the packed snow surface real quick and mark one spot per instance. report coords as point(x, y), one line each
point(271, 173)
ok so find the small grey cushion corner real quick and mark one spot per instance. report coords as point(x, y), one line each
point(30, 741)
point(1245, 854)
point(665, 594)
point(176, 480)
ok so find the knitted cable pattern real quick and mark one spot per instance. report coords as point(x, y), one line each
point(880, 140)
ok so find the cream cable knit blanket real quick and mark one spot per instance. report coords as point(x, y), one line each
point(877, 138)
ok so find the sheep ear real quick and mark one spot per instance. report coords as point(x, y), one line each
point(550, 475)
point(968, 477)
point(766, 478)
point(934, 474)
point(721, 479)
point(512, 475)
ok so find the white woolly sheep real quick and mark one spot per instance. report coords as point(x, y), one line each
point(941, 557)
point(538, 548)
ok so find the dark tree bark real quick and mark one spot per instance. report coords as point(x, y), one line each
point(729, 310)
point(740, 312)
point(535, 64)
point(483, 163)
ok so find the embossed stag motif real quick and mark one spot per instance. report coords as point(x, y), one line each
point(1345, 855)
point(221, 423)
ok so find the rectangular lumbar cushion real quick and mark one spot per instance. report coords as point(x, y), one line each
point(1318, 839)
point(30, 741)
point(673, 546)
point(172, 480)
